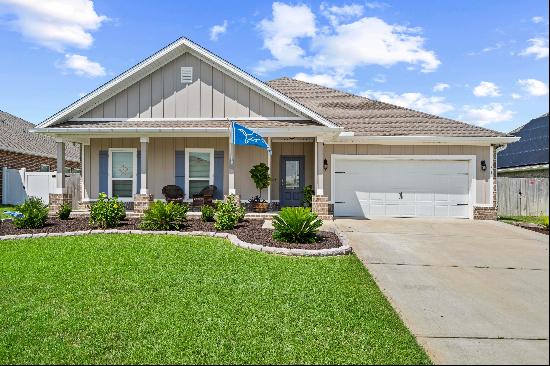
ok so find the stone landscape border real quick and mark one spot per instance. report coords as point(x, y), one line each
point(341, 250)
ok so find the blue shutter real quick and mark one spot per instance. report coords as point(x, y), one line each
point(103, 171)
point(218, 173)
point(180, 169)
point(138, 183)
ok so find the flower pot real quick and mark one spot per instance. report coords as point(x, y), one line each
point(260, 206)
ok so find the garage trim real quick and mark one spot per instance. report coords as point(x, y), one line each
point(471, 169)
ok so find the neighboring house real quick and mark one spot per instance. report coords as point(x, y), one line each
point(166, 121)
point(527, 158)
point(21, 149)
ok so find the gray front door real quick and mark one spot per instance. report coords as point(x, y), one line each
point(292, 181)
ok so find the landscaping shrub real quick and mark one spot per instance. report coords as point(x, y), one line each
point(106, 213)
point(260, 176)
point(35, 214)
point(241, 211)
point(207, 213)
point(308, 195)
point(64, 211)
point(545, 222)
point(227, 214)
point(164, 216)
point(296, 225)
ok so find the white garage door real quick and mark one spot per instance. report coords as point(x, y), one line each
point(401, 188)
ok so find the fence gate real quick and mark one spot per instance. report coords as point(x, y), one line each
point(522, 196)
point(13, 186)
point(20, 184)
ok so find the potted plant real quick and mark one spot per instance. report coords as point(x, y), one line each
point(260, 175)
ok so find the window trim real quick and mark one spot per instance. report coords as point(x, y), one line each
point(187, 178)
point(134, 172)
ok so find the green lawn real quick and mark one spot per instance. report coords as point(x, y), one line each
point(168, 299)
point(539, 220)
point(5, 207)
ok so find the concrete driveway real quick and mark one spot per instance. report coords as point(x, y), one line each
point(472, 292)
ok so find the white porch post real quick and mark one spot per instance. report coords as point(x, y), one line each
point(143, 189)
point(231, 168)
point(85, 171)
point(60, 174)
point(319, 168)
point(269, 166)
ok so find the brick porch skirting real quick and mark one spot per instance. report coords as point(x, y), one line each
point(320, 206)
point(57, 200)
point(142, 202)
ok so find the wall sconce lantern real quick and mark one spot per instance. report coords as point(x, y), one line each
point(325, 164)
point(483, 165)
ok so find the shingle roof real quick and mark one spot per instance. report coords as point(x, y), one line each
point(182, 124)
point(531, 149)
point(15, 136)
point(367, 117)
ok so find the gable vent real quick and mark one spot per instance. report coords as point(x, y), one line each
point(186, 75)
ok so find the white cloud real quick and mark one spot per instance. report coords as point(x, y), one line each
point(534, 87)
point(486, 89)
point(376, 5)
point(538, 48)
point(336, 14)
point(81, 65)
point(439, 87)
point(331, 81)
point(491, 113)
point(281, 35)
point(537, 20)
point(55, 24)
point(515, 96)
point(429, 104)
point(217, 30)
point(338, 48)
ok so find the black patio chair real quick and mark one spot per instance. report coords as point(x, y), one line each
point(173, 193)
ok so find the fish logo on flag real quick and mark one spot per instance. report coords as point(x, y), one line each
point(241, 135)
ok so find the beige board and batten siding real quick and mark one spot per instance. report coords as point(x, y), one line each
point(211, 94)
point(161, 158)
point(481, 153)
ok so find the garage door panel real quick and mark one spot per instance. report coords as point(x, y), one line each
point(423, 188)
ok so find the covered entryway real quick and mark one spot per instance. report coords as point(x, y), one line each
point(403, 186)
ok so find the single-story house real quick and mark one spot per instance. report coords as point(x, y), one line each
point(528, 157)
point(21, 149)
point(166, 121)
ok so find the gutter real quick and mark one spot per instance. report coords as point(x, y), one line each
point(523, 168)
point(411, 140)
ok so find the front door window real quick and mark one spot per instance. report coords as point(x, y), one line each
point(292, 176)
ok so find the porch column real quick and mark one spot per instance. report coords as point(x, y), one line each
point(144, 188)
point(231, 168)
point(60, 187)
point(269, 166)
point(85, 171)
point(319, 178)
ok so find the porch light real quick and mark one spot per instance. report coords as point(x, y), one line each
point(483, 165)
point(325, 164)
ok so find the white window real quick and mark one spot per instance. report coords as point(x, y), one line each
point(199, 170)
point(122, 173)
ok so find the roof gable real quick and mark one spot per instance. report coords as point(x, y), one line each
point(164, 57)
point(367, 117)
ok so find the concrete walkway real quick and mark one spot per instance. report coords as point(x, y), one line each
point(472, 292)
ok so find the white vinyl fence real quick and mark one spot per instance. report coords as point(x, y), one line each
point(18, 184)
point(522, 196)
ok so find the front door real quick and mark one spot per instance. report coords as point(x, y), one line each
point(292, 181)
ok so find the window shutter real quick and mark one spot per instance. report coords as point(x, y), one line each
point(138, 173)
point(218, 173)
point(180, 169)
point(103, 171)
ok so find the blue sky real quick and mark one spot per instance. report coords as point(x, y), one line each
point(482, 62)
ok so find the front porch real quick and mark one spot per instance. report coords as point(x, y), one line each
point(137, 168)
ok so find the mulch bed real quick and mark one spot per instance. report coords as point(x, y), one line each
point(535, 228)
point(250, 231)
